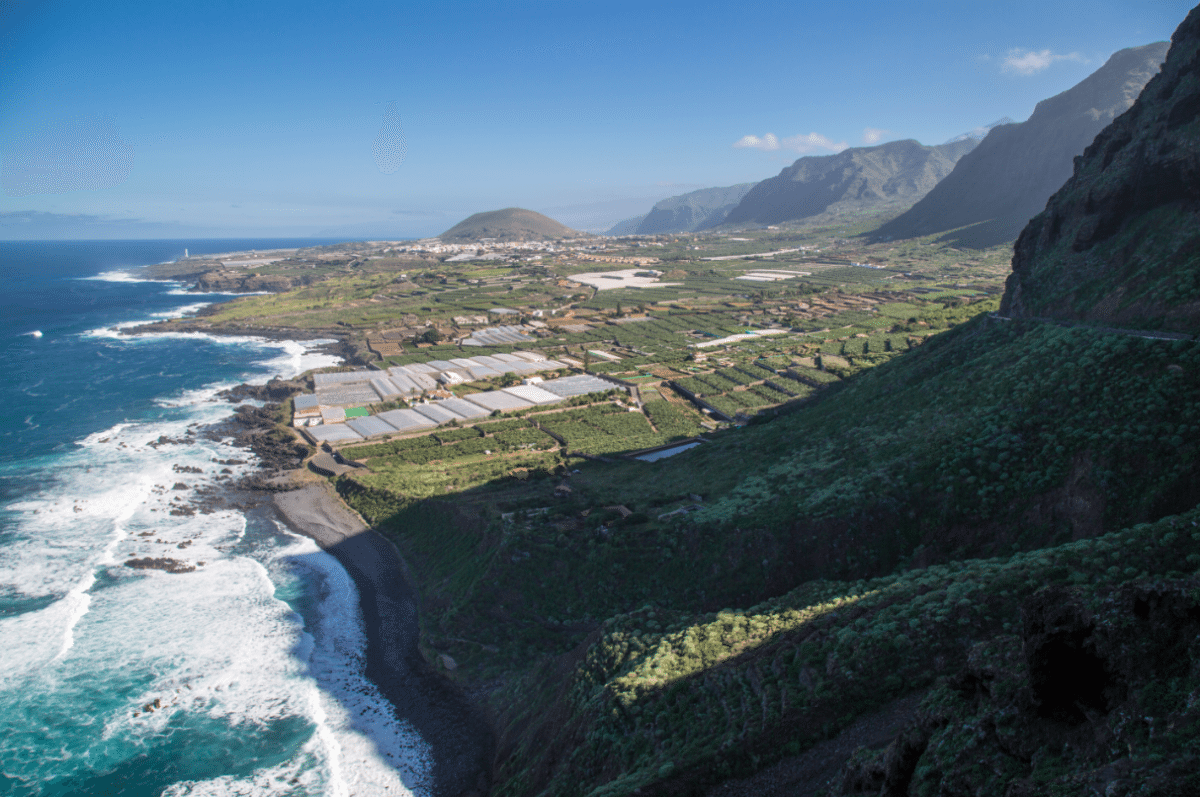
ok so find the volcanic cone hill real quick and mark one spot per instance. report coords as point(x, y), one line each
point(1001, 184)
point(1119, 244)
point(859, 179)
point(509, 224)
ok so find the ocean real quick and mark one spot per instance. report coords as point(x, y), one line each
point(241, 677)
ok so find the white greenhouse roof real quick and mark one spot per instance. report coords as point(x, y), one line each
point(334, 432)
point(370, 426)
point(533, 394)
point(406, 420)
point(436, 414)
point(498, 400)
point(463, 407)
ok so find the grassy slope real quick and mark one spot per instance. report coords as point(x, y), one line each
point(991, 438)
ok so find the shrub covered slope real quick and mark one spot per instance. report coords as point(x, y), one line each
point(1002, 522)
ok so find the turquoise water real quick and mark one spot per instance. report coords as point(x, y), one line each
point(251, 665)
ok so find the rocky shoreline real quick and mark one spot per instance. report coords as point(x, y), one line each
point(456, 730)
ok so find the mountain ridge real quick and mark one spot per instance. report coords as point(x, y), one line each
point(1119, 242)
point(1006, 180)
point(860, 178)
point(692, 211)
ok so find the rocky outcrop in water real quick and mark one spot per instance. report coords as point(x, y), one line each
point(1119, 244)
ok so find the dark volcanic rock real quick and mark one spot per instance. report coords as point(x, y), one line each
point(1119, 244)
point(233, 281)
point(274, 391)
point(1006, 180)
point(160, 563)
point(858, 179)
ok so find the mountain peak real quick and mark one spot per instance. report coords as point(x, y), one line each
point(980, 133)
point(1004, 181)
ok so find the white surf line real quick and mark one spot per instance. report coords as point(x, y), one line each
point(79, 598)
point(333, 749)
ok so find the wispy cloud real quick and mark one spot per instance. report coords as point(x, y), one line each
point(768, 142)
point(873, 135)
point(1029, 62)
point(803, 144)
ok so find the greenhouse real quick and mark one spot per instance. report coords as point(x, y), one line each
point(406, 420)
point(579, 385)
point(498, 400)
point(436, 414)
point(336, 432)
point(370, 426)
point(533, 394)
point(497, 336)
point(463, 408)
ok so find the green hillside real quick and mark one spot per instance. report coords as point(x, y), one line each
point(992, 538)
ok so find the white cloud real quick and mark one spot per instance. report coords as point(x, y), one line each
point(803, 144)
point(813, 142)
point(767, 142)
point(873, 135)
point(1027, 62)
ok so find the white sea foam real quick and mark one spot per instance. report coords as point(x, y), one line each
point(178, 312)
point(215, 645)
point(209, 394)
point(117, 276)
point(295, 357)
point(190, 292)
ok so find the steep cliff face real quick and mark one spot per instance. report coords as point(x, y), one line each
point(1119, 243)
point(1006, 180)
point(696, 210)
point(856, 179)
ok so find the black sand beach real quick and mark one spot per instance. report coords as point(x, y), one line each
point(461, 740)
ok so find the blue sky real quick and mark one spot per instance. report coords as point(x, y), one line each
point(246, 119)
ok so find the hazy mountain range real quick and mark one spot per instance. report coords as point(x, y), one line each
point(696, 210)
point(856, 179)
